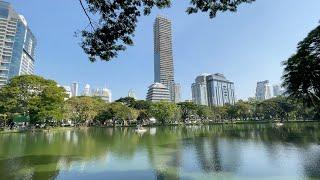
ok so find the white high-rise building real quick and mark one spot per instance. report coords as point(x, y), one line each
point(104, 94)
point(163, 58)
point(17, 45)
point(263, 90)
point(199, 90)
point(74, 89)
point(220, 90)
point(158, 92)
point(86, 91)
point(213, 90)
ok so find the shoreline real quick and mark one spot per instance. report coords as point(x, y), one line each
point(154, 125)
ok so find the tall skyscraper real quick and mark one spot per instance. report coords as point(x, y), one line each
point(199, 90)
point(263, 91)
point(213, 90)
point(74, 89)
point(163, 59)
point(17, 44)
point(86, 91)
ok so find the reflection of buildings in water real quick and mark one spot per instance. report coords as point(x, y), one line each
point(75, 138)
point(215, 155)
point(49, 137)
point(68, 135)
point(208, 154)
point(166, 160)
point(153, 131)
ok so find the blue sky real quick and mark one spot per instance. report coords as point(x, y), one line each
point(247, 46)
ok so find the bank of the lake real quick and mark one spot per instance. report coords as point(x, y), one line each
point(59, 128)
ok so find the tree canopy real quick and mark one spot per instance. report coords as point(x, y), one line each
point(302, 70)
point(112, 23)
point(32, 96)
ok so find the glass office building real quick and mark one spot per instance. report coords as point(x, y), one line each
point(213, 90)
point(17, 44)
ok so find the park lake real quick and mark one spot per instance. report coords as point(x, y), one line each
point(226, 151)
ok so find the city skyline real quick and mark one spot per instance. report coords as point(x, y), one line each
point(200, 53)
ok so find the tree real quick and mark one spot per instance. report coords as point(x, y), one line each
point(83, 109)
point(164, 112)
point(116, 21)
point(40, 99)
point(302, 71)
point(142, 105)
point(128, 101)
point(243, 109)
point(188, 109)
point(204, 112)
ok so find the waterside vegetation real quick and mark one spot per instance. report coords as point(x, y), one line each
point(41, 103)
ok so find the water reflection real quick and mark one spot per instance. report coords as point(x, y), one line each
point(193, 152)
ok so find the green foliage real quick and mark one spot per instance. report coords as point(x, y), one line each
point(302, 71)
point(164, 112)
point(116, 22)
point(83, 109)
point(188, 109)
point(128, 101)
point(204, 112)
point(33, 96)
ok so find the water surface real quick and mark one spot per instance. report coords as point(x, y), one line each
point(251, 151)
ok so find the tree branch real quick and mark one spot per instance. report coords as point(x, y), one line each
point(85, 11)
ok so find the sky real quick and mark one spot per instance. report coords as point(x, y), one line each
point(246, 46)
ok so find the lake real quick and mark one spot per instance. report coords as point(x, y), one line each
point(247, 151)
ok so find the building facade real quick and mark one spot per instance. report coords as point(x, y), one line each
point(177, 93)
point(87, 90)
point(213, 90)
point(163, 58)
point(158, 92)
point(199, 90)
point(17, 44)
point(278, 90)
point(220, 90)
point(104, 94)
point(74, 89)
point(263, 91)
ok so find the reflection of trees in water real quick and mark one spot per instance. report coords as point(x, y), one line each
point(40, 154)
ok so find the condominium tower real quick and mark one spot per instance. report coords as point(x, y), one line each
point(163, 59)
point(74, 89)
point(17, 44)
point(213, 90)
point(158, 92)
point(263, 91)
point(87, 90)
point(199, 90)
